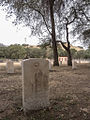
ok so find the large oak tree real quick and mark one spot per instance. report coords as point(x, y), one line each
point(39, 15)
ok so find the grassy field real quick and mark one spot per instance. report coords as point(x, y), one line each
point(69, 93)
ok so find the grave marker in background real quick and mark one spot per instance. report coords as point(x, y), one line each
point(74, 64)
point(10, 67)
point(50, 63)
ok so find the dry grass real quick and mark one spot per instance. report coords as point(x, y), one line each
point(69, 95)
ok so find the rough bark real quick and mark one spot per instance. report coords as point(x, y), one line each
point(68, 47)
point(68, 52)
point(54, 44)
point(69, 58)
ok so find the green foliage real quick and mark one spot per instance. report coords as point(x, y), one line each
point(73, 51)
point(83, 54)
point(13, 52)
point(43, 52)
point(62, 52)
point(86, 37)
point(50, 53)
point(35, 53)
point(20, 52)
point(87, 54)
point(23, 52)
point(80, 54)
point(16, 51)
point(2, 52)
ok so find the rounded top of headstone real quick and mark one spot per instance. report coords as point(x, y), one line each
point(35, 59)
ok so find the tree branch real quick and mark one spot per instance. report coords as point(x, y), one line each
point(85, 16)
point(63, 45)
point(41, 15)
point(75, 16)
point(81, 9)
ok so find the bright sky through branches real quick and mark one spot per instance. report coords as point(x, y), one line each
point(11, 34)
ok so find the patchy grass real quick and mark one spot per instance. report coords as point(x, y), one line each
point(69, 95)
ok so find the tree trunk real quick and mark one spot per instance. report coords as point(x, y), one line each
point(68, 47)
point(69, 58)
point(54, 44)
point(69, 53)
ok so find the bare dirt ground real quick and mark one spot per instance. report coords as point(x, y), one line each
point(69, 95)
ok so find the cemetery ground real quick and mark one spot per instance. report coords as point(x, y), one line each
point(69, 92)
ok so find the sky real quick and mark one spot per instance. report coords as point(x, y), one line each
point(11, 34)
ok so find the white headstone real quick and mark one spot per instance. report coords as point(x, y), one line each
point(10, 67)
point(74, 64)
point(50, 63)
point(35, 84)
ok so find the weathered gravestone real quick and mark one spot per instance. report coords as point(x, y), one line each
point(74, 64)
point(50, 63)
point(10, 67)
point(35, 84)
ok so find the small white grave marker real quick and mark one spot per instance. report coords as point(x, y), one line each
point(10, 67)
point(74, 64)
point(50, 63)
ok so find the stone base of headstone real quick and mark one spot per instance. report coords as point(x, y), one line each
point(35, 84)
point(10, 67)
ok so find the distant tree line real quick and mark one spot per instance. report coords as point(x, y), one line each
point(23, 52)
point(82, 54)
